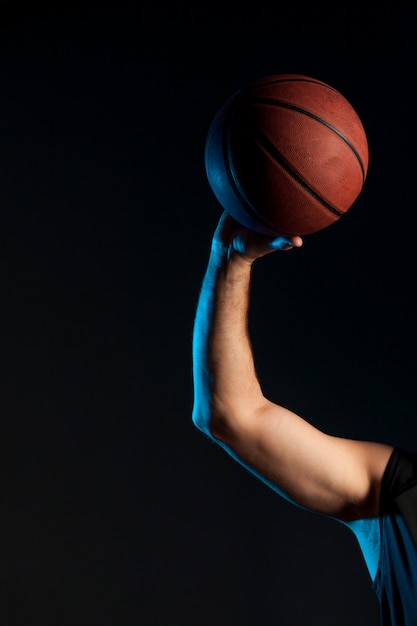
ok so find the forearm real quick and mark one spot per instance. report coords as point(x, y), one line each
point(225, 381)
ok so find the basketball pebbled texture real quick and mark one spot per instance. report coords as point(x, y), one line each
point(286, 154)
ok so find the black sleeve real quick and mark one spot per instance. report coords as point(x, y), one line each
point(399, 489)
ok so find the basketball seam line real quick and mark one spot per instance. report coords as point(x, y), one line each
point(289, 79)
point(292, 107)
point(271, 149)
point(233, 179)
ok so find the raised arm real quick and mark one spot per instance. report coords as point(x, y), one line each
point(323, 473)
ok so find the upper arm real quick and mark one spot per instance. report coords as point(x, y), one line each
point(323, 473)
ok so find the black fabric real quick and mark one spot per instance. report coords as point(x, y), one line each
point(396, 580)
point(399, 489)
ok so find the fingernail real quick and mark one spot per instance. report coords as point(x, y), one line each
point(280, 243)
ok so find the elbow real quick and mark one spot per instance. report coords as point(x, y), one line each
point(202, 412)
point(224, 419)
point(198, 419)
point(216, 424)
point(202, 419)
point(206, 419)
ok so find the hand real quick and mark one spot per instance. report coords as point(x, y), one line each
point(231, 237)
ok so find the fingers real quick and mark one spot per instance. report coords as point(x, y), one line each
point(251, 243)
point(285, 243)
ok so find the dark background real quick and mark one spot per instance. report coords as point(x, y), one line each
point(115, 510)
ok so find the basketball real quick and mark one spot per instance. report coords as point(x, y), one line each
point(286, 154)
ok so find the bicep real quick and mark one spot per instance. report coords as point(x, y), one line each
point(323, 473)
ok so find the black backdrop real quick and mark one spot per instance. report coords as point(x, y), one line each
point(115, 510)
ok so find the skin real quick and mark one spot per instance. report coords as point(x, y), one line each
point(325, 474)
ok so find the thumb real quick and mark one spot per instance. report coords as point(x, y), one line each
point(280, 243)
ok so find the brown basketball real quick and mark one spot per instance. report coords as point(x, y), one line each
point(286, 154)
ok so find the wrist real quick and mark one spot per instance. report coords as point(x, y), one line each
point(225, 257)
